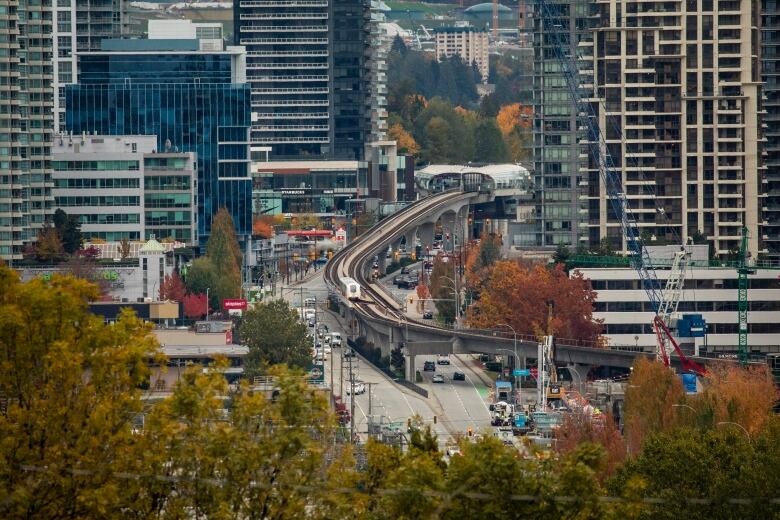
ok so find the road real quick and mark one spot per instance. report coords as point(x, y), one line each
point(457, 405)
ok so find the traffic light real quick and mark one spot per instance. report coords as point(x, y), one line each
point(409, 423)
point(470, 432)
point(411, 300)
point(434, 419)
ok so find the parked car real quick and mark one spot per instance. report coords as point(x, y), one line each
point(443, 360)
point(312, 322)
point(438, 378)
point(458, 376)
point(335, 339)
point(429, 366)
point(428, 315)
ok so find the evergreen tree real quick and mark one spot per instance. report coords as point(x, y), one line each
point(490, 146)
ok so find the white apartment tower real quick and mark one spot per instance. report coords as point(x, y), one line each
point(676, 87)
point(467, 42)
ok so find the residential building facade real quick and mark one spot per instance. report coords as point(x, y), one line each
point(556, 153)
point(192, 100)
point(26, 117)
point(121, 188)
point(469, 43)
point(770, 75)
point(677, 93)
point(309, 66)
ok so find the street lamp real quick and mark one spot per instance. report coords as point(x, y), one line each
point(738, 426)
point(514, 333)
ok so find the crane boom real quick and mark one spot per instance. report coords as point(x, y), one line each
point(639, 257)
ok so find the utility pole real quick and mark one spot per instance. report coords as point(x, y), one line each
point(351, 403)
point(370, 409)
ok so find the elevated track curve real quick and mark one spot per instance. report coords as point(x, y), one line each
point(381, 319)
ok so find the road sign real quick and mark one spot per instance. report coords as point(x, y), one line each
point(521, 372)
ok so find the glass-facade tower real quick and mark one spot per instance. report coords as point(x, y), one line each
point(193, 101)
point(556, 152)
point(770, 71)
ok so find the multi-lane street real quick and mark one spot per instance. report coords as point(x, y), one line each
point(457, 405)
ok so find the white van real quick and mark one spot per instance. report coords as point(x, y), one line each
point(310, 302)
point(335, 339)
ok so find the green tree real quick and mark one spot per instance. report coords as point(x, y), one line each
point(222, 247)
point(437, 143)
point(490, 146)
point(202, 275)
point(397, 360)
point(275, 335)
point(443, 290)
point(562, 254)
point(69, 229)
point(70, 385)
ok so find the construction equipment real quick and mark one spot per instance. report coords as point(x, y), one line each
point(744, 268)
point(640, 259)
point(495, 21)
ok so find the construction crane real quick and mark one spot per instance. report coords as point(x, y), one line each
point(664, 303)
point(744, 268)
point(495, 21)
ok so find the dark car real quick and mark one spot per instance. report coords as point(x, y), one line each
point(404, 270)
point(428, 315)
point(458, 376)
point(429, 366)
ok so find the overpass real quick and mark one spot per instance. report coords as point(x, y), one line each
point(381, 319)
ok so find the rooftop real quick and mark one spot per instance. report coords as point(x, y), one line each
point(195, 351)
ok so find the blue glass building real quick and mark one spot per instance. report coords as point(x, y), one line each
point(193, 100)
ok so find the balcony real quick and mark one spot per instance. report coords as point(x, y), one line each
point(284, 41)
point(292, 128)
point(290, 102)
point(284, 3)
point(285, 91)
point(285, 66)
point(288, 54)
point(276, 28)
point(290, 140)
point(284, 16)
point(266, 79)
point(292, 115)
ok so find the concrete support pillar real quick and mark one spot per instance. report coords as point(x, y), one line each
point(579, 374)
point(411, 370)
point(382, 263)
point(426, 232)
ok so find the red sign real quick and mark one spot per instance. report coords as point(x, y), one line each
point(232, 305)
point(535, 373)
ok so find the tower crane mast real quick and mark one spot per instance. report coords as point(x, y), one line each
point(663, 302)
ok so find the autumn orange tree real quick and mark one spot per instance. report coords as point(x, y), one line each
point(406, 142)
point(519, 296)
point(261, 227)
point(580, 427)
point(651, 391)
point(744, 396)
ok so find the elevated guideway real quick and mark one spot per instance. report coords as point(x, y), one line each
point(381, 319)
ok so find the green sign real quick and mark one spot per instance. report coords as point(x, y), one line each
point(317, 373)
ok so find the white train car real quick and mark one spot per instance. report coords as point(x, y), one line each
point(350, 289)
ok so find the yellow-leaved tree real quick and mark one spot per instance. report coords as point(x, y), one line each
point(406, 142)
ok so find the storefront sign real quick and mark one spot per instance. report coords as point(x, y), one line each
point(233, 305)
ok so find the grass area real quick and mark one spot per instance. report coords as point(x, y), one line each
point(398, 5)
